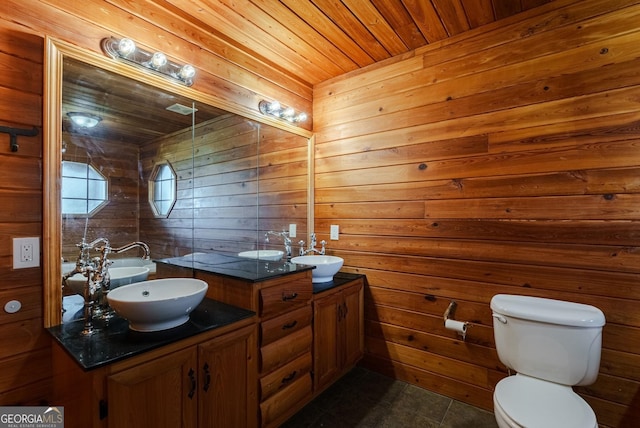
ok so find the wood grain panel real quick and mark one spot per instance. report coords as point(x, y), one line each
point(547, 208)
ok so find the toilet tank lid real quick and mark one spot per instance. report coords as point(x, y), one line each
point(547, 310)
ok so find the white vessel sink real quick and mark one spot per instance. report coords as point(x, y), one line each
point(158, 304)
point(119, 276)
point(268, 255)
point(326, 266)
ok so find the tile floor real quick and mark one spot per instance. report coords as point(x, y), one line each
point(366, 399)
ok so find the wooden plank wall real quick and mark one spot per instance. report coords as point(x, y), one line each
point(25, 348)
point(501, 161)
point(25, 368)
point(240, 179)
point(283, 185)
point(118, 219)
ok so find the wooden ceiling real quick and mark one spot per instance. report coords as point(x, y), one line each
point(315, 40)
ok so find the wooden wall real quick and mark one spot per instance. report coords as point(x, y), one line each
point(118, 219)
point(24, 345)
point(25, 369)
point(504, 160)
point(239, 180)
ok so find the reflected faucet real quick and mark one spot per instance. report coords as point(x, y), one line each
point(285, 238)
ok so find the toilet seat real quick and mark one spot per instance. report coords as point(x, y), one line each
point(524, 401)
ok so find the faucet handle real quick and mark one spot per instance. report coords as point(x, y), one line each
point(301, 243)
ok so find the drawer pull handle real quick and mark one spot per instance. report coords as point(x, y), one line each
point(290, 325)
point(192, 378)
point(287, 297)
point(289, 377)
point(207, 377)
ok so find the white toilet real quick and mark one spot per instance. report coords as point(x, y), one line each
point(552, 345)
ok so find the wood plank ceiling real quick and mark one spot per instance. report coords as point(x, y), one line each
point(315, 40)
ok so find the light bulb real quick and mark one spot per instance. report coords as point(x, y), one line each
point(126, 47)
point(158, 60)
point(301, 117)
point(273, 107)
point(187, 72)
point(288, 113)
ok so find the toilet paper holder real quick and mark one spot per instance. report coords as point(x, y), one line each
point(451, 324)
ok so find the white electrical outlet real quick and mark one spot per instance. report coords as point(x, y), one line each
point(335, 232)
point(292, 230)
point(26, 252)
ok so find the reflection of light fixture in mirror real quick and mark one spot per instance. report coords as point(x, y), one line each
point(84, 120)
point(126, 50)
point(273, 108)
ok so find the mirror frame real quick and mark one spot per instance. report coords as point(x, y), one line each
point(55, 52)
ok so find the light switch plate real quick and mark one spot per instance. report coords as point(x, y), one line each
point(26, 252)
point(292, 230)
point(335, 232)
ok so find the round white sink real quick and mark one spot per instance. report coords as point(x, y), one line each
point(119, 276)
point(326, 266)
point(268, 255)
point(158, 304)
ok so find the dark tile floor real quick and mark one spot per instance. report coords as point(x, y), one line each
point(366, 399)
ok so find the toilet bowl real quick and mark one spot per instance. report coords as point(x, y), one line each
point(521, 401)
point(552, 345)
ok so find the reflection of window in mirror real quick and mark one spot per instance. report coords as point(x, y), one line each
point(162, 189)
point(84, 189)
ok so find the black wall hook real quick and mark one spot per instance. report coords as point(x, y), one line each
point(14, 132)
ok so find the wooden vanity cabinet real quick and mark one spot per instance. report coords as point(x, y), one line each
point(199, 382)
point(284, 309)
point(338, 337)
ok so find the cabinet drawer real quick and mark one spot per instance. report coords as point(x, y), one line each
point(282, 402)
point(279, 327)
point(280, 352)
point(283, 297)
point(284, 376)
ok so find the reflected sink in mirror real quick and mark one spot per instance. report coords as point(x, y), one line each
point(159, 304)
point(119, 276)
point(268, 255)
point(326, 266)
point(133, 262)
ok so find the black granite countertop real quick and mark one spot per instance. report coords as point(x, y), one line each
point(117, 342)
point(339, 279)
point(234, 266)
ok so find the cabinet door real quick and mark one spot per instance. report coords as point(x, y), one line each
point(160, 393)
point(228, 382)
point(352, 324)
point(326, 347)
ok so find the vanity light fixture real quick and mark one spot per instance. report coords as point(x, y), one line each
point(84, 120)
point(125, 50)
point(275, 109)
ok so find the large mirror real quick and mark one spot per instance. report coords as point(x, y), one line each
point(161, 165)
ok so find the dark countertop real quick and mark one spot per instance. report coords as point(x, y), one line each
point(234, 266)
point(339, 279)
point(117, 342)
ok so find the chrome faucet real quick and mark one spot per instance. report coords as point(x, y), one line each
point(285, 238)
point(312, 247)
point(103, 279)
point(129, 246)
point(98, 283)
point(92, 269)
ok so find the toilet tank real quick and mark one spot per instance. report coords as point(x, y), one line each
point(548, 339)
